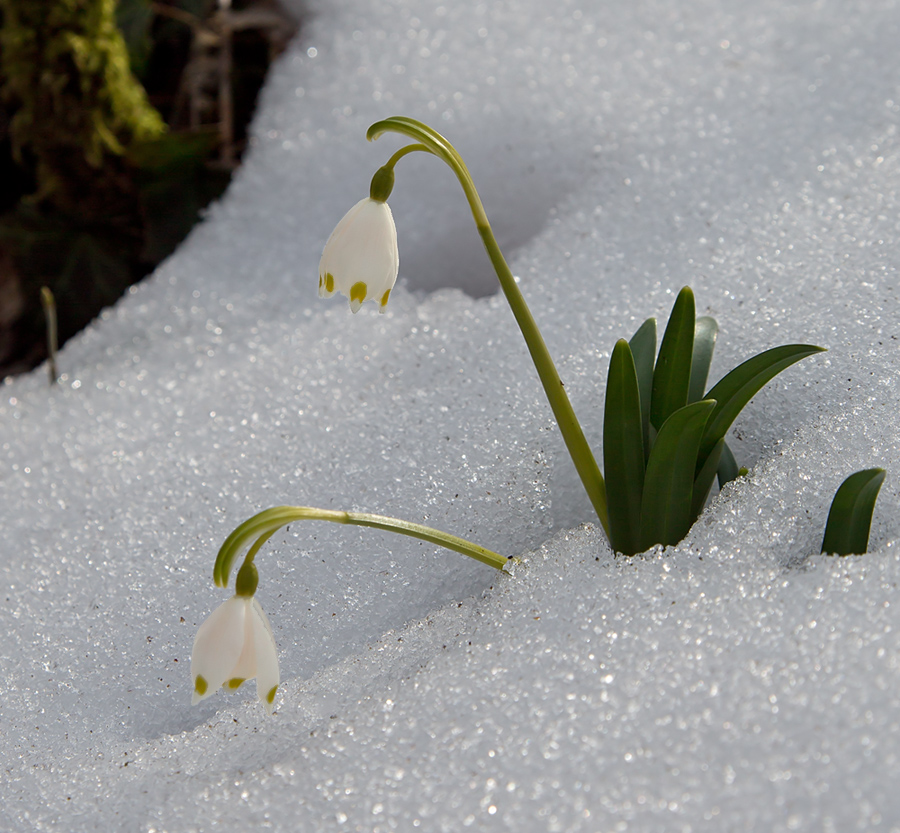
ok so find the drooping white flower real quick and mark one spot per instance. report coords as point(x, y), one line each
point(360, 258)
point(233, 645)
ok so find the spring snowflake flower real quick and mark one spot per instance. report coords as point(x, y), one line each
point(233, 645)
point(360, 258)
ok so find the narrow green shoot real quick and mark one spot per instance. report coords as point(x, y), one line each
point(850, 516)
point(48, 302)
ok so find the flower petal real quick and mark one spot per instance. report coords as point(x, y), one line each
point(245, 666)
point(361, 253)
point(217, 648)
point(267, 677)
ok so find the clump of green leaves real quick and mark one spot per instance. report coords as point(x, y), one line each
point(850, 516)
point(663, 437)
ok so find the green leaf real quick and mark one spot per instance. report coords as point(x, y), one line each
point(623, 451)
point(669, 480)
point(705, 331)
point(850, 516)
point(728, 467)
point(643, 349)
point(704, 479)
point(738, 387)
point(672, 376)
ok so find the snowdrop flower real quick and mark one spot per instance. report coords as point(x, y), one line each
point(360, 258)
point(233, 645)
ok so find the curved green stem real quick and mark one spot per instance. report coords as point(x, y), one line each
point(403, 151)
point(262, 526)
point(579, 450)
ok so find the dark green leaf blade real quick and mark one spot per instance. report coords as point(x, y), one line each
point(672, 375)
point(850, 516)
point(704, 480)
point(728, 467)
point(643, 349)
point(623, 451)
point(739, 386)
point(669, 479)
point(705, 331)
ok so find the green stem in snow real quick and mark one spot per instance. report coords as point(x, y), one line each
point(430, 140)
point(255, 531)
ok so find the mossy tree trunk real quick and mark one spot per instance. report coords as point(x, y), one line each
point(76, 105)
point(75, 113)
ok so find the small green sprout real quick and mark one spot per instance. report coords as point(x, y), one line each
point(850, 516)
point(663, 437)
point(48, 302)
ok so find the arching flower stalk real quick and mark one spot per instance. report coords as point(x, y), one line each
point(346, 245)
point(235, 643)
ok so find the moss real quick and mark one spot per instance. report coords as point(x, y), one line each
point(74, 100)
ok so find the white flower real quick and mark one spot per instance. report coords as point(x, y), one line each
point(233, 645)
point(360, 258)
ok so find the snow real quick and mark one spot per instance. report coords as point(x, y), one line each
point(738, 681)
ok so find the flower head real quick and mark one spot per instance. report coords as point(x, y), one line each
point(360, 258)
point(233, 645)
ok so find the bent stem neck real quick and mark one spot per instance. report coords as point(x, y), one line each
point(585, 463)
point(255, 531)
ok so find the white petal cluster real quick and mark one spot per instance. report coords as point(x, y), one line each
point(360, 258)
point(233, 645)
